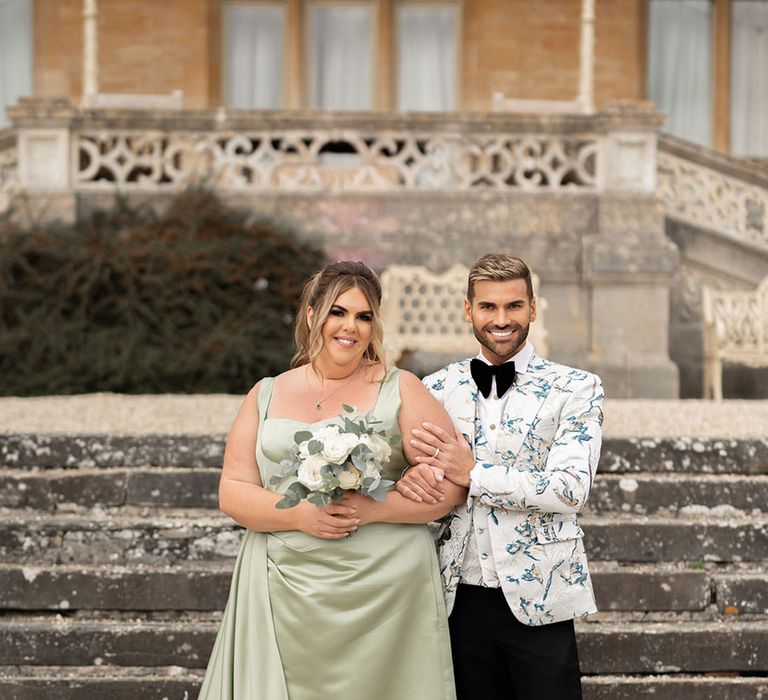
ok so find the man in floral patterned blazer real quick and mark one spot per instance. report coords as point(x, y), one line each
point(526, 443)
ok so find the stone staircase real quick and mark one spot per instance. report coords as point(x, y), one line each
point(116, 565)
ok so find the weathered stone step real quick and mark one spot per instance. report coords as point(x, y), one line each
point(37, 451)
point(665, 687)
point(654, 539)
point(683, 493)
point(99, 682)
point(673, 647)
point(603, 648)
point(135, 588)
point(206, 586)
point(159, 538)
point(684, 455)
point(54, 489)
point(165, 537)
point(619, 455)
point(63, 489)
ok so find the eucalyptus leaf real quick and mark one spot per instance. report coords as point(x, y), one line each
point(314, 447)
point(380, 493)
point(319, 499)
point(347, 409)
point(302, 436)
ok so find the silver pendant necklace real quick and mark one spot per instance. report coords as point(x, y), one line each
point(319, 401)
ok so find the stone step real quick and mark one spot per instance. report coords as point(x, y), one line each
point(62, 489)
point(166, 487)
point(678, 647)
point(622, 648)
point(619, 455)
point(167, 537)
point(666, 687)
point(662, 539)
point(99, 682)
point(678, 493)
point(96, 683)
point(684, 455)
point(164, 537)
point(136, 588)
point(206, 587)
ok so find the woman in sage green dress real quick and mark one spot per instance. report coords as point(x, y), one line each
point(343, 601)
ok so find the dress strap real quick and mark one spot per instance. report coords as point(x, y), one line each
point(388, 403)
point(265, 397)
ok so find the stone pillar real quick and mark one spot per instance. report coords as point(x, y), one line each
point(90, 50)
point(628, 266)
point(587, 57)
point(43, 128)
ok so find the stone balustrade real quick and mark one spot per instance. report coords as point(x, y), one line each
point(706, 189)
point(156, 150)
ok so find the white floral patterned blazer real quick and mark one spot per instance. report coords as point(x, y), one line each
point(532, 487)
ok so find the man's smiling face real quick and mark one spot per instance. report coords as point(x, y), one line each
point(500, 313)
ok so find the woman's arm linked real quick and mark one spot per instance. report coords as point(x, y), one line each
point(244, 499)
point(417, 406)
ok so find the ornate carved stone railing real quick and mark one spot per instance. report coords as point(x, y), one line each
point(337, 160)
point(155, 150)
point(712, 191)
point(9, 169)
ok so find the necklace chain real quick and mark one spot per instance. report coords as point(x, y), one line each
point(319, 401)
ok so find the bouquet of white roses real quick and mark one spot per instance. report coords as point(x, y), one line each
point(348, 456)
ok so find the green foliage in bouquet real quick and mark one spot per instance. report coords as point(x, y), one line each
point(197, 299)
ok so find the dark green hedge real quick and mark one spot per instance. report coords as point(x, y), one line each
point(193, 300)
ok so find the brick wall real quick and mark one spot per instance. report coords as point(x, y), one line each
point(145, 46)
point(522, 48)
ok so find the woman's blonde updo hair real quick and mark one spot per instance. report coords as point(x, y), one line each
point(320, 294)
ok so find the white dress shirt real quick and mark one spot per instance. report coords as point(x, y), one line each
point(479, 568)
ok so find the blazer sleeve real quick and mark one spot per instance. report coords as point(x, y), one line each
point(564, 484)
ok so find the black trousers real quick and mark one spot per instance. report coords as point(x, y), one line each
point(496, 657)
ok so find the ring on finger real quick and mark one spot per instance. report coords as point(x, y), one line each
point(437, 452)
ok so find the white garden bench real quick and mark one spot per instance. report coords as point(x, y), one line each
point(735, 330)
point(424, 311)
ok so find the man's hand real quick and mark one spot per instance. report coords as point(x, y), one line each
point(422, 483)
point(449, 452)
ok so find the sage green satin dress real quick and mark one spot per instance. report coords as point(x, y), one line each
point(361, 618)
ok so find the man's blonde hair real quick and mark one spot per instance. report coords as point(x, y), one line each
point(499, 267)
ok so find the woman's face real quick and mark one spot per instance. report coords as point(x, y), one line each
point(348, 328)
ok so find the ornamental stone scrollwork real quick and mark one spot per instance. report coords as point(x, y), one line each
point(344, 160)
point(705, 197)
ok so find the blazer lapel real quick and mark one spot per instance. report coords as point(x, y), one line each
point(526, 397)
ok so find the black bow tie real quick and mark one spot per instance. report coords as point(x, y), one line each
point(483, 375)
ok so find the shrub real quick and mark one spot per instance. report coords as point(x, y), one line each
point(194, 300)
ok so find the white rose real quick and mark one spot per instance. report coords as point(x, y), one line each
point(337, 449)
point(309, 472)
point(329, 432)
point(378, 446)
point(350, 478)
point(372, 469)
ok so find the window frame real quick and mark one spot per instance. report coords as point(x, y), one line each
point(458, 9)
point(225, 5)
point(306, 41)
